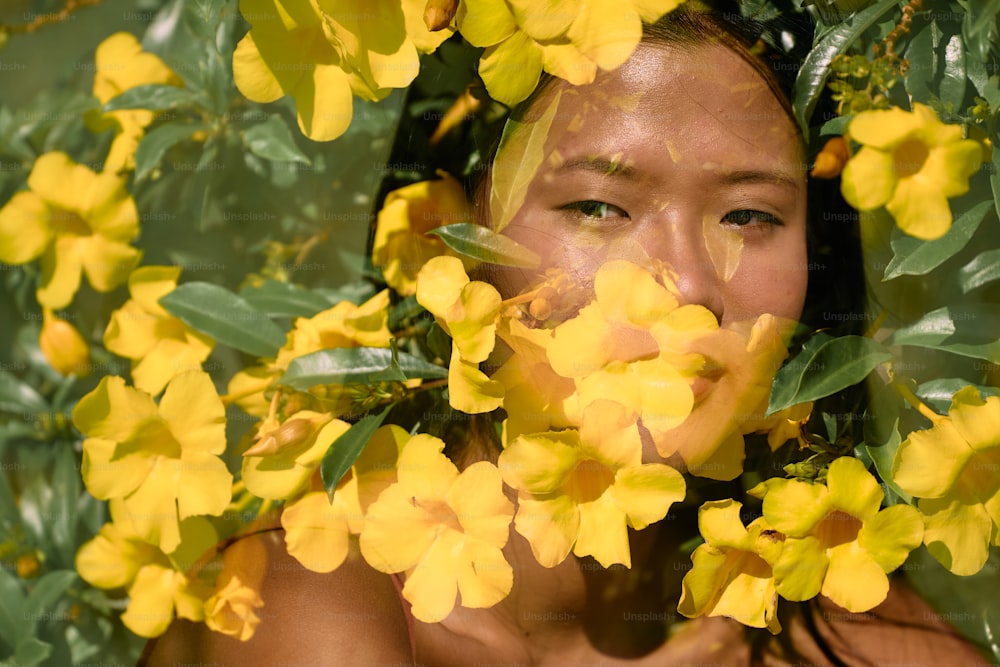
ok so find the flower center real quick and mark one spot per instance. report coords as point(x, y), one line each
point(442, 512)
point(68, 222)
point(837, 528)
point(909, 157)
point(589, 480)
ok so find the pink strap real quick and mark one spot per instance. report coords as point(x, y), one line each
point(398, 581)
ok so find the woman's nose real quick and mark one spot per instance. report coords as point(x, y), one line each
point(685, 246)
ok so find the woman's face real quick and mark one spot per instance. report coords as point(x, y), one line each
point(682, 155)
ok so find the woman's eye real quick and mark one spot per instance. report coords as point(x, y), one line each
point(598, 210)
point(749, 217)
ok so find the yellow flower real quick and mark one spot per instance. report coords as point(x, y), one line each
point(77, 221)
point(567, 38)
point(231, 609)
point(401, 244)
point(344, 325)
point(467, 311)
point(159, 344)
point(445, 529)
point(119, 558)
point(322, 52)
point(740, 363)
point(121, 65)
point(63, 346)
point(732, 574)
point(162, 461)
point(838, 541)
point(954, 468)
point(535, 398)
point(633, 345)
point(911, 163)
point(579, 490)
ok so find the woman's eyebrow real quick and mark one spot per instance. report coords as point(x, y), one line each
point(599, 165)
point(770, 177)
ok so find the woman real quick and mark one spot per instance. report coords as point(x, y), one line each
point(686, 155)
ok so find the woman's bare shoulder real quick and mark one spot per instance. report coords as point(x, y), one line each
point(903, 630)
point(350, 616)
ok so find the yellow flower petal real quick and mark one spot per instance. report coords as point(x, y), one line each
point(606, 32)
point(795, 507)
point(24, 228)
point(550, 526)
point(470, 390)
point(544, 21)
point(316, 532)
point(646, 492)
point(431, 587)
point(928, 463)
point(883, 129)
point(957, 535)
point(484, 575)
point(854, 580)
point(852, 488)
point(151, 601)
point(486, 22)
point(891, 535)
point(194, 413)
point(397, 534)
point(602, 532)
point(800, 569)
point(868, 179)
point(920, 208)
point(512, 68)
point(539, 463)
point(61, 265)
point(484, 512)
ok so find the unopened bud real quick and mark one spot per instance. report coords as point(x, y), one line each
point(293, 432)
point(540, 309)
point(439, 13)
point(63, 346)
point(831, 160)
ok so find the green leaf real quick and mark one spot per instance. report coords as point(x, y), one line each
point(485, 245)
point(922, 56)
point(226, 317)
point(31, 651)
point(966, 330)
point(44, 595)
point(824, 368)
point(272, 140)
point(881, 433)
point(354, 365)
point(154, 97)
point(12, 623)
point(18, 397)
point(344, 451)
point(156, 143)
point(815, 68)
point(985, 268)
point(995, 177)
point(281, 299)
point(913, 256)
point(62, 527)
point(984, 15)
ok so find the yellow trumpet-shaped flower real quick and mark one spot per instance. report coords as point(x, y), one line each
point(580, 490)
point(120, 65)
point(77, 222)
point(911, 163)
point(467, 311)
point(954, 468)
point(401, 244)
point(568, 38)
point(344, 325)
point(322, 52)
point(445, 529)
point(838, 541)
point(230, 610)
point(157, 587)
point(732, 389)
point(733, 571)
point(160, 345)
point(161, 460)
point(63, 346)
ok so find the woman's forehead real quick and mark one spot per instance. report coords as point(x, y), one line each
point(694, 106)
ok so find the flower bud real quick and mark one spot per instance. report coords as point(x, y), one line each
point(293, 432)
point(63, 346)
point(831, 160)
point(439, 13)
